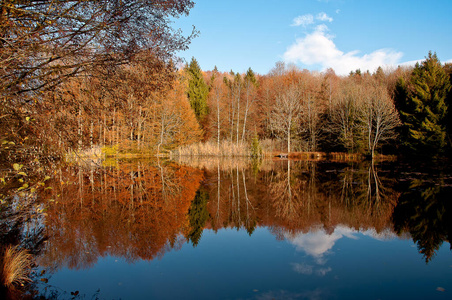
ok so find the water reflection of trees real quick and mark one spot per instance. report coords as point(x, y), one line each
point(296, 196)
point(425, 211)
point(197, 215)
point(233, 198)
point(134, 210)
point(140, 210)
point(365, 195)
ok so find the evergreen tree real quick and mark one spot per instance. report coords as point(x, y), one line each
point(401, 95)
point(448, 70)
point(423, 111)
point(197, 90)
point(250, 77)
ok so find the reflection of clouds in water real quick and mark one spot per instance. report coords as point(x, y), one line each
point(302, 268)
point(323, 271)
point(308, 269)
point(317, 243)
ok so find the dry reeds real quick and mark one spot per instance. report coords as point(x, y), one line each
point(15, 266)
point(225, 149)
point(312, 156)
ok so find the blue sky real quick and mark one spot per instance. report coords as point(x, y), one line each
point(317, 34)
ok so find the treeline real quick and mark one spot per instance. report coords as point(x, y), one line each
point(396, 110)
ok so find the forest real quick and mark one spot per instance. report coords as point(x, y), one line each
point(393, 111)
point(103, 78)
point(85, 80)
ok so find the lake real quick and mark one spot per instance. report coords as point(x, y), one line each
point(239, 229)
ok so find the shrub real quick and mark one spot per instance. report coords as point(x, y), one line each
point(15, 266)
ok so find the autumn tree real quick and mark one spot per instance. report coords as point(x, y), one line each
point(250, 85)
point(44, 43)
point(174, 122)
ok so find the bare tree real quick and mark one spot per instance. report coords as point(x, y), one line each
point(216, 94)
point(377, 115)
point(312, 110)
point(343, 115)
point(285, 117)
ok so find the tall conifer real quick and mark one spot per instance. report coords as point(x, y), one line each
point(197, 90)
point(424, 109)
point(448, 70)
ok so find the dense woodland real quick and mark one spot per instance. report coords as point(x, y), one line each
point(102, 76)
point(147, 106)
point(399, 109)
point(79, 74)
point(83, 78)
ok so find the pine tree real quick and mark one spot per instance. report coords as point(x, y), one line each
point(197, 90)
point(448, 70)
point(424, 110)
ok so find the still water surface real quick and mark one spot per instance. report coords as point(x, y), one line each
point(214, 229)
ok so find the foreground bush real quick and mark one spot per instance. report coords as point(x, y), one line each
point(15, 266)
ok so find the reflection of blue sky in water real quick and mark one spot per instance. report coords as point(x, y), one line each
point(318, 244)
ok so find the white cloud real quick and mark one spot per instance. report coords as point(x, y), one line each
point(303, 20)
point(411, 63)
point(338, 11)
point(324, 17)
point(318, 48)
point(308, 19)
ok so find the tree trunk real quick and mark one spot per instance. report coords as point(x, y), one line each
point(218, 124)
point(288, 140)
